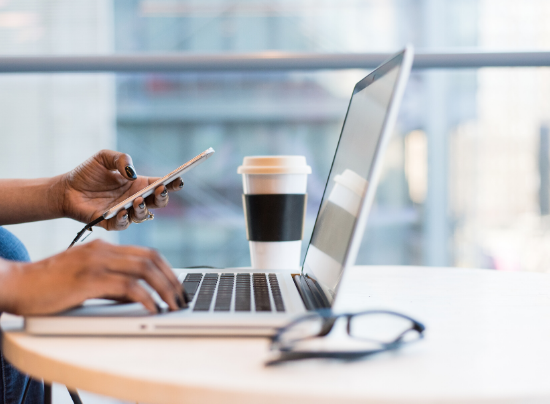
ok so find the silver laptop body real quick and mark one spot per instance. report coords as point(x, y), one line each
point(242, 301)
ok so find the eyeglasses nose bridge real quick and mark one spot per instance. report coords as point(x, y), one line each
point(327, 326)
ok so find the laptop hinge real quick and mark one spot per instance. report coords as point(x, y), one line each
point(312, 294)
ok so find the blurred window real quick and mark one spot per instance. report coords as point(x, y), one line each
point(466, 178)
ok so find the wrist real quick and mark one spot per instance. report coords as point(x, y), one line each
point(55, 196)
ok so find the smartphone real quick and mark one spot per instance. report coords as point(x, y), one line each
point(168, 178)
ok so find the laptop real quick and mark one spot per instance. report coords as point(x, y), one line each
point(244, 301)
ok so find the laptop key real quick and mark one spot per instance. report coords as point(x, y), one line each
point(242, 292)
point(225, 293)
point(191, 288)
point(276, 292)
point(191, 284)
point(206, 292)
point(261, 292)
point(195, 277)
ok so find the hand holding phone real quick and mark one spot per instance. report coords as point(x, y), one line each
point(168, 178)
point(145, 192)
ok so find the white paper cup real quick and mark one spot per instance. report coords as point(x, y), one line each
point(274, 200)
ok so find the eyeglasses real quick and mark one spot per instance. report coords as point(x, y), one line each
point(352, 335)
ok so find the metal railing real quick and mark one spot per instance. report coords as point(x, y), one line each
point(263, 61)
point(436, 205)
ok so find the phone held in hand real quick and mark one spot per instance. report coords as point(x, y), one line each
point(145, 192)
point(168, 178)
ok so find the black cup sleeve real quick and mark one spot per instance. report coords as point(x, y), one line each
point(275, 217)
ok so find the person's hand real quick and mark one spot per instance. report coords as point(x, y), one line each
point(92, 270)
point(104, 180)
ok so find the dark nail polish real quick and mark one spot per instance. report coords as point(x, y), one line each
point(158, 308)
point(164, 193)
point(131, 172)
point(180, 304)
point(141, 205)
point(181, 184)
point(186, 297)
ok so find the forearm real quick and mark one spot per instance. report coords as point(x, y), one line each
point(30, 200)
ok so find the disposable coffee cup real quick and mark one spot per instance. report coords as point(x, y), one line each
point(274, 201)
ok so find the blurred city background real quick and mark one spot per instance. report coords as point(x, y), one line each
point(466, 177)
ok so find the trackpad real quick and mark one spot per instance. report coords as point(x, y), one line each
point(107, 308)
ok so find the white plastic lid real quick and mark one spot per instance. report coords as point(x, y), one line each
point(274, 165)
point(352, 181)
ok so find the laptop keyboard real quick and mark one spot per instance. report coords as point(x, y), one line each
point(206, 292)
point(225, 292)
point(242, 292)
point(191, 284)
point(276, 292)
point(261, 292)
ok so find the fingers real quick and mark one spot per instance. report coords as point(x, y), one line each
point(122, 162)
point(157, 259)
point(126, 288)
point(140, 209)
point(132, 263)
point(159, 199)
point(120, 222)
point(175, 185)
point(150, 266)
point(139, 268)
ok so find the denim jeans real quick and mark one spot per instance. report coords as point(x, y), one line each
point(15, 387)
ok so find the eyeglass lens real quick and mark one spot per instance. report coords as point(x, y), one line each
point(381, 327)
point(375, 327)
point(308, 327)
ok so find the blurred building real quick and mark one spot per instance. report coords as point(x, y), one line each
point(466, 178)
point(239, 114)
point(50, 123)
point(501, 220)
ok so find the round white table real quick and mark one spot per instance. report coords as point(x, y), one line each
point(487, 340)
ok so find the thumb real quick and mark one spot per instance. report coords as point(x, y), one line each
point(122, 162)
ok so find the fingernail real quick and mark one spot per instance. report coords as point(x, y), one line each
point(163, 193)
point(181, 184)
point(180, 304)
point(158, 308)
point(125, 217)
point(131, 172)
point(186, 297)
point(141, 205)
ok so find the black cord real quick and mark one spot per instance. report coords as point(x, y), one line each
point(87, 227)
point(74, 396)
point(47, 393)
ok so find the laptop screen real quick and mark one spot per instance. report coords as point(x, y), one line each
point(350, 175)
